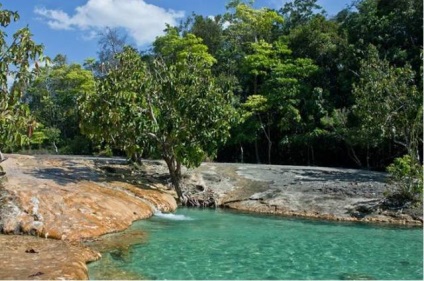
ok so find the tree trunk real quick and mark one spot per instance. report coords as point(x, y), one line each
point(269, 144)
point(258, 160)
point(368, 156)
point(174, 168)
point(352, 155)
point(269, 152)
point(307, 153)
point(267, 134)
point(241, 154)
point(55, 148)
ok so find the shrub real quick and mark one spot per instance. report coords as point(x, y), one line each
point(406, 174)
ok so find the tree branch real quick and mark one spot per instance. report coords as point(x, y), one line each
point(153, 136)
point(152, 114)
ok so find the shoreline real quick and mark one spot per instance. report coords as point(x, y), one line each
point(77, 199)
point(299, 191)
point(383, 221)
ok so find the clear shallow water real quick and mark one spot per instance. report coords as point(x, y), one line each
point(217, 244)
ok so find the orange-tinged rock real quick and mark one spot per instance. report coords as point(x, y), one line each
point(65, 199)
point(25, 257)
point(55, 201)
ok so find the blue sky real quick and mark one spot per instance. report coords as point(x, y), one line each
point(69, 27)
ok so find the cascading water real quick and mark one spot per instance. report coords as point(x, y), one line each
point(171, 216)
point(158, 213)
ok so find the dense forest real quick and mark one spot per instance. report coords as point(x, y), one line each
point(288, 86)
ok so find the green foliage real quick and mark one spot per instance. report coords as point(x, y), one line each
point(178, 50)
point(252, 25)
point(286, 88)
point(255, 104)
point(16, 56)
point(388, 103)
point(319, 39)
point(210, 30)
point(52, 98)
point(300, 12)
point(38, 137)
point(305, 87)
point(281, 77)
point(116, 112)
point(172, 105)
point(245, 27)
point(194, 111)
point(394, 27)
point(406, 173)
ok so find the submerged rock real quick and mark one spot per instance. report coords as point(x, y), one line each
point(356, 276)
point(26, 257)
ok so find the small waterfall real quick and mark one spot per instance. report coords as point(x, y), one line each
point(169, 216)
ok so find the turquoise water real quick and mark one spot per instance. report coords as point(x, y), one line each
point(217, 244)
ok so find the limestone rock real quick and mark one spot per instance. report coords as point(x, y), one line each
point(26, 257)
point(310, 192)
point(61, 201)
point(51, 198)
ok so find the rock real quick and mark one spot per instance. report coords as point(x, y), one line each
point(356, 276)
point(31, 251)
point(65, 199)
point(46, 203)
point(117, 242)
point(36, 274)
point(310, 192)
point(26, 257)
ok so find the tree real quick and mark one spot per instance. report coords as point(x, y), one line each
point(173, 105)
point(16, 58)
point(389, 104)
point(246, 26)
point(257, 117)
point(279, 78)
point(393, 27)
point(111, 42)
point(210, 30)
point(52, 98)
point(252, 25)
point(319, 39)
point(299, 12)
point(115, 113)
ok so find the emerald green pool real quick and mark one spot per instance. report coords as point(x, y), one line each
point(218, 244)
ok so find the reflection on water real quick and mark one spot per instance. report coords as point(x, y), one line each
point(217, 244)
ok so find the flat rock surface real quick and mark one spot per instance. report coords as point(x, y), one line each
point(69, 199)
point(313, 192)
point(26, 257)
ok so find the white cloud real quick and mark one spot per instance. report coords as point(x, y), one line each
point(142, 21)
